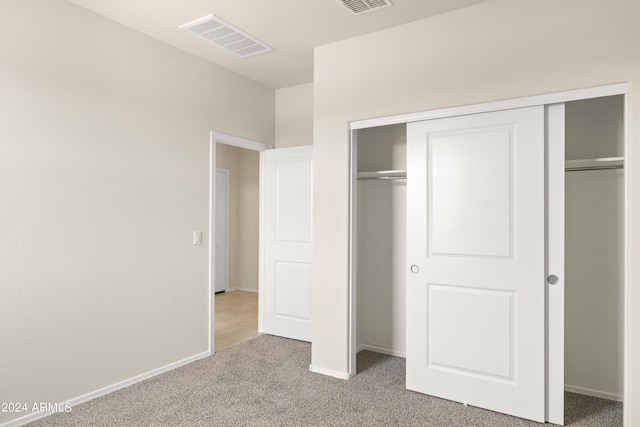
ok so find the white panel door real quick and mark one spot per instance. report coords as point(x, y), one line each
point(287, 242)
point(222, 230)
point(476, 254)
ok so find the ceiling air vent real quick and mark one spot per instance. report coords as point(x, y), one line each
point(222, 33)
point(357, 7)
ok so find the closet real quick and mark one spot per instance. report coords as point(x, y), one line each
point(594, 243)
point(381, 222)
point(594, 247)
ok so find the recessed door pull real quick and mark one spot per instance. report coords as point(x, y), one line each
point(414, 269)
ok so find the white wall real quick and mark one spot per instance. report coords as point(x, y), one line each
point(104, 175)
point(248, 214)
point(495, 50)
point(294, 116)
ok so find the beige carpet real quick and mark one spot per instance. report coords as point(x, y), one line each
point(266, 382)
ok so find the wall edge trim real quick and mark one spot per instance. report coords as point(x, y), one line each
point(109, 389)
point(382, 349)
point(594, 393)
point(330, 372)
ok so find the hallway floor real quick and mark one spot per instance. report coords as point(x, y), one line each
point(236, 318)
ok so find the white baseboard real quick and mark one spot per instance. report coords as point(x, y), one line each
point(109, 389)
point(381, 349)
point(594, 393)
point(255, 291)
point(330, 372)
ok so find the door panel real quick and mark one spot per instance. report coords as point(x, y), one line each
point(475, 237)
point(292, 298)
point(484, 189)
point(293, 199)
point(489, 338)
point(288, 240)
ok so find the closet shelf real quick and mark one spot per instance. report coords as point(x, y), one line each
point(594, 164)
point(390, 174)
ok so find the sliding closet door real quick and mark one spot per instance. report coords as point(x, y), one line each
point(476, 255)
point(555, 253)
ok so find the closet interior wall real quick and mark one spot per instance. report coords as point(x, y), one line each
point(380, 245)
point(594, 250)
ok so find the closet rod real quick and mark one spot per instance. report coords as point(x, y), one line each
point(602, 163)
point(593, 168)
point(384, 178)
point(383, 175)
point(607, 164)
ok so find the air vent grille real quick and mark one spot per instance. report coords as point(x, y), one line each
point(227, 36)
point(357, 7)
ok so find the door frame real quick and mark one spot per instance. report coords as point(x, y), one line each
point(226, 225)
point(555, 343)
point(221, 138)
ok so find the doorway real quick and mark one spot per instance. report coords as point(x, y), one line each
point(244, 184)
point(236, 245)
point(364, 189)
point(285, 188)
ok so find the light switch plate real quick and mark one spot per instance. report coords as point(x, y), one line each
point(197, 237)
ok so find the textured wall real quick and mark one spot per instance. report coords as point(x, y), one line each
point(104, 175)
point(294, 116)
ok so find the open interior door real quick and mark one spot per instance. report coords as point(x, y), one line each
point(287, 246)
point(476, 254)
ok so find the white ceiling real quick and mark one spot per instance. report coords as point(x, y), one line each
point(292, 27)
